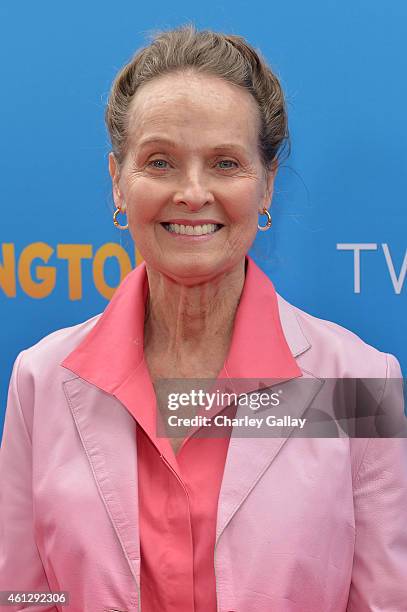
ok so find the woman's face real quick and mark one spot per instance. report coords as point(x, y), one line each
point(192, 165)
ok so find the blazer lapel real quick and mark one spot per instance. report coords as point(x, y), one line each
point(108, 434)
point(249, 457)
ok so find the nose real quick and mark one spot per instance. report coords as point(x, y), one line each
point(194, 193)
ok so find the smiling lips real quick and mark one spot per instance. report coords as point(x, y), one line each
point(192, 228)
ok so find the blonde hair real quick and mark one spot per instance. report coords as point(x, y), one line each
point(227, 56)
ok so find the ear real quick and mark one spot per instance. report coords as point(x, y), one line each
point(269, 189)
point(115, 176)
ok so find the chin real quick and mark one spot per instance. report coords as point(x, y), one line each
point(190, 269)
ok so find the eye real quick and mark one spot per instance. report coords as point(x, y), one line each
point(159, 164)
point(227, 161)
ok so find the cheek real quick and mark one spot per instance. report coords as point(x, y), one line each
point(243, 208)
point(243, 218)
point(145, 200)
point(243, 223)
point(142, 210)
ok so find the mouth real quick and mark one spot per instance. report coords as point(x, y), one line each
point(192, 230)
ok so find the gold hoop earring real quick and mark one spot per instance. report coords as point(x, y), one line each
point(115, 221)
point(264, 228)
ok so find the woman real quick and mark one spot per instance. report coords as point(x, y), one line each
point(93, 501)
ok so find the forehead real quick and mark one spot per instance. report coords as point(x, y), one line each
point(194, 108)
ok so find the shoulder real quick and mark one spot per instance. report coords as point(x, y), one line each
point(332, 350)
point(37, 375)
point(54, 347)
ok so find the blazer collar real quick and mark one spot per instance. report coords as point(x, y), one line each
point(266, 335)
point(295, 337)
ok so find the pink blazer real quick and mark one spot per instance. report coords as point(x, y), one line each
point(303, 525)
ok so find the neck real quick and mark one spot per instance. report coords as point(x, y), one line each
point(189, 319)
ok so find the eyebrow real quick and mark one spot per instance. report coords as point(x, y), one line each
point(174, 145)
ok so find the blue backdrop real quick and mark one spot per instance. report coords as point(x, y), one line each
point(338, 244)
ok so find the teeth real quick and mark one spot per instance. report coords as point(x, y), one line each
point(192, 230)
